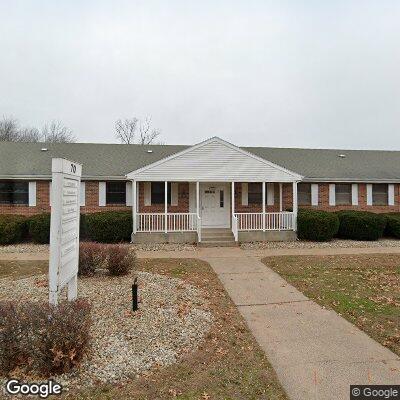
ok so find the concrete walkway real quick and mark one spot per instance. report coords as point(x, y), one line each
point(315, 353)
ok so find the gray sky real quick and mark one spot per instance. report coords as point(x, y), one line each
point(269, 73)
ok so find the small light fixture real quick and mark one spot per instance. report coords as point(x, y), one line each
point(44, 149)
point(149, 151)
point(342, 155)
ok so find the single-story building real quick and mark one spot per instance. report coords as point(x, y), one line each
point(212, 191)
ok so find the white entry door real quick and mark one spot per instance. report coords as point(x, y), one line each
point(215, 205)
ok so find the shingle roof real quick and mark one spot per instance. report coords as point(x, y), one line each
point(116, 160)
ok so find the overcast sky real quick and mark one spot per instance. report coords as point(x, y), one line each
point(268, 73)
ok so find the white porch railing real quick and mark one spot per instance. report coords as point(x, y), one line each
point(272, 221)
point(175, 222)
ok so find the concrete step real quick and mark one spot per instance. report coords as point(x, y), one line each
point(214, 236)
point(218, 244)
point(216, 230)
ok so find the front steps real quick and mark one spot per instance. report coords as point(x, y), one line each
point(217, 237)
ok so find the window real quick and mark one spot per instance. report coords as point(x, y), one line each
point(14, 193)
point(380, 194)
point(115, 193)
point(304, 194)
point(255, 193)
point(158, 193)
point(342, 194)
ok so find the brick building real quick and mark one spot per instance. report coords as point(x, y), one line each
point(176, 192)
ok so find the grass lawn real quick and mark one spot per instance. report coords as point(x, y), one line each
point(364, 289)
point(228, 365)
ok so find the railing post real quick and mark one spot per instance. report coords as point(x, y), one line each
point(198, 211)
point(166, 207)
point(263, 206)
point(280, 197)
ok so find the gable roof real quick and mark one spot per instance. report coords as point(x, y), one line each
point(214, 159)
point(101, 161)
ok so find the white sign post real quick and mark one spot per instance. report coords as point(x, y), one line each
point(64, 228)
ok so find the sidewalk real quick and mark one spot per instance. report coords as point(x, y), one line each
point(315, 353)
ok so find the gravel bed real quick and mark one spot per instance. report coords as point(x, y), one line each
point(172, 320)
point(24, 248)
point(41, 248)
point(336, 243)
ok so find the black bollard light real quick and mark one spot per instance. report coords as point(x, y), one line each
point(135, 295)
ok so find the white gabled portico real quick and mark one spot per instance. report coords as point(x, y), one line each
point(211, 169)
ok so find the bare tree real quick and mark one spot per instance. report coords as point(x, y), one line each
point(56, 132)
point(133, 130)
point(147, 134)
point(9, 129)
point(125, 130)
point(29, 135)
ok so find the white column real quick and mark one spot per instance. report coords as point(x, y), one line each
point(134, 206)
point(233, 198)
point(295, 207)
point(166, 206)
point(280, 197)
point(263, 206)
point(198, 198)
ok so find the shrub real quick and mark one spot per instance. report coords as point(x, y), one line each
point(82, 227)
point(91, 257)
point(110, 226)
point(393, 225)
point(361, 225)
point(39, 228)
point(40, 338)
point(120, 259)
point(317, 225)
point(13, 228)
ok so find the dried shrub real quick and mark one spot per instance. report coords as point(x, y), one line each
point(40, 338)
point(121, 260)
point(91, 257)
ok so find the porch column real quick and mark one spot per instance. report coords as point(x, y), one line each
point(295, 206)
point(263, 206)
point(198, 199)
point(233, 198)
point(166, 207)
point(280, 197)
point(134, 205)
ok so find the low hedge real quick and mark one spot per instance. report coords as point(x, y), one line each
point(13, 228)
point(316, 225)
point(39, 228)
point(392, 225)
point(361, 225)
point(109, 226)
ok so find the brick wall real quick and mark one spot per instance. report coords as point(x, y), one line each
point(92, 200)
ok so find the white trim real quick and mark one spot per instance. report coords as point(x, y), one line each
point(314, 194)
point(50, 195)
point(354, 194)
point(369, 194)
point(147, 193)
point(280, 196)
point(32, 194)
point(82, 195)
point(270, 194)
point(102, 194)
point(134, 205)
point(295, 206)
point(174, 193)
point(263, 206)
point(216, 139)
point(391, 194)
point(245, 194)
point(332, 194)
point(128, 194)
